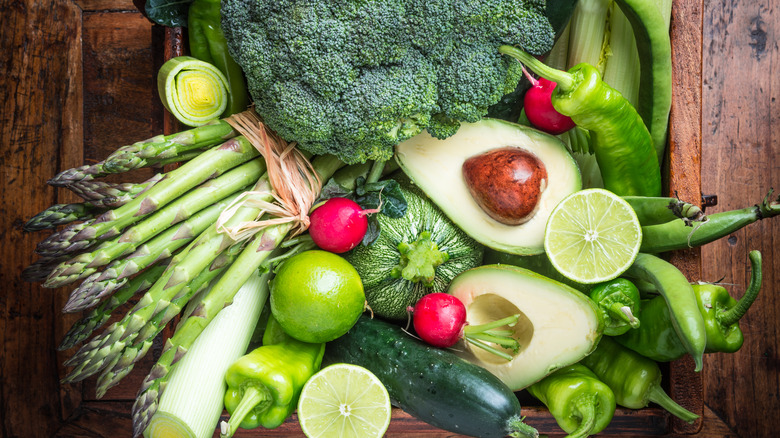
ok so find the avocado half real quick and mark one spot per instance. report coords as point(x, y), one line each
point(436, 167)
point(557, 325)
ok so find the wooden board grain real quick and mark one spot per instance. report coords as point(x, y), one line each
point(741, 162)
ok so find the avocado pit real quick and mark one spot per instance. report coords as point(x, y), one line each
point(506, 183)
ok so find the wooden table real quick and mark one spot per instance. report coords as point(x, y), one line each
point(79, 80)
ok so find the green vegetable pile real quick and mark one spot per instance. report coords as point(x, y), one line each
point(344, 93)
point(355, 78)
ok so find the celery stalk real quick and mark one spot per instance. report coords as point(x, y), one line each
point(588, 36)
point(192, 401)
point(622, 66)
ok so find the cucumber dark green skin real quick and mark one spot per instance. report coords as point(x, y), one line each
point(429, 383)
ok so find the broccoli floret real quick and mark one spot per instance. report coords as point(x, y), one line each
point(355, 77)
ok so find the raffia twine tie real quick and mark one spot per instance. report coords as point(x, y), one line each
point(294, 183)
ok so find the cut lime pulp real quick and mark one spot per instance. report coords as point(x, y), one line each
point(592, 236)
point(344, 401)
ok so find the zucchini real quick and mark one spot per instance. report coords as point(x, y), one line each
point(425, 241)
point(429, 383)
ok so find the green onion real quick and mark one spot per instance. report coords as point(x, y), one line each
point(192, 401)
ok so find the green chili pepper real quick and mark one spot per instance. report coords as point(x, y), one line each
point(207, 43)
point(264, 385)
point(622, 143)
point(618, 302)
point(658, 341)
point(582, 404)
point(634, 379)
point(680, 299)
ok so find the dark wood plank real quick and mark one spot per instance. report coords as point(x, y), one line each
point(41, 131)
point(740, 162)
point(684, 167)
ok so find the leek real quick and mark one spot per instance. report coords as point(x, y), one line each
point(192, 402)
point(194, 91)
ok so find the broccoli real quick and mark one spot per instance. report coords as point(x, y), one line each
point(354, 78)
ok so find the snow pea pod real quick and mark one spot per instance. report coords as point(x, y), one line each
point(680, 299)
point(581, 404)
point(676, 235)
point(658, 341)
point(622, 144)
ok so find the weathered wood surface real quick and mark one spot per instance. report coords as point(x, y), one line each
point(78, 80)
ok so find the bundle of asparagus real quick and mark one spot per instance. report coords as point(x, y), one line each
point(169, 238)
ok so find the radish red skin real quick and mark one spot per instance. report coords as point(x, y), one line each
point(439, 319)
point(338, 225)
point(539, 109)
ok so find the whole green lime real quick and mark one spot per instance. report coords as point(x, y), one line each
point(317, 296)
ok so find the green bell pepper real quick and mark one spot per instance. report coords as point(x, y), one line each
point(264, 385)
point(207, 43)
point(618, 301)
point(634, 379)
point(582, 404)
point(657, 340)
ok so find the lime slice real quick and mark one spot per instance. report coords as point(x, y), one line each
point(592, 236)
point(344, 401)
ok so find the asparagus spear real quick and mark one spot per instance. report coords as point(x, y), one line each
point(195, 200)
point(207, 165)
point(100, 190)
point(41, 268)
point(62, 214)
point(98, 316)
point(59, 244)
point(170, 149)
point(100, 284)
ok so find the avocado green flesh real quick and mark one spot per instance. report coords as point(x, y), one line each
point(558, 325)
point(436, 167)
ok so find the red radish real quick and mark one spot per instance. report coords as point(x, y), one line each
point(338, 225)
point(440, 320)
point(539, 109)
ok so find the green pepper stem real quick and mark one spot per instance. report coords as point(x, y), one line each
point(662, 399)
point(564, 79)
point(731, 316)
point(251, 398)
point(586, 406)
point(518, 429)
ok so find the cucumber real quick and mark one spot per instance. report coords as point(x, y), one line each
point(429, 383)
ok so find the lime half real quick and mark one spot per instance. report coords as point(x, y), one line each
point(344, 401)
point(592, 236)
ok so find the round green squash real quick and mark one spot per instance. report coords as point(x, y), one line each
point(425, 242)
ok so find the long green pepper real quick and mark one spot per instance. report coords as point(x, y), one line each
point(657, 340)
point(622, 143)
point(207, 43)
point(634, 379)
point(680, 299)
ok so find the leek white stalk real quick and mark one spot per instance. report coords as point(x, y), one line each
point(192, 401)
point(194, 91)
